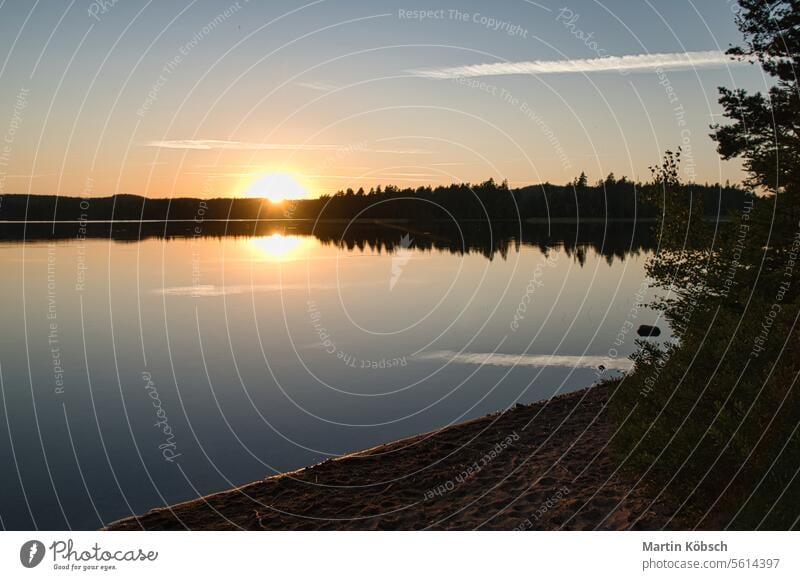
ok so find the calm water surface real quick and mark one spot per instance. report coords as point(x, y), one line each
point(140, 373)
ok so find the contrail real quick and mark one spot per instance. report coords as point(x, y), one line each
point(527, 360)
point(629, 63)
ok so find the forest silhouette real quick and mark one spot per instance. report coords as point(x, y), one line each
point(608, 199)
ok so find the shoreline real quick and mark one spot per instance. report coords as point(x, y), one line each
point(543, 466)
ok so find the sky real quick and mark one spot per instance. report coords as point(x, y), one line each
point(199, 98)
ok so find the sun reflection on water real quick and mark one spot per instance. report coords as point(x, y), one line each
point(278, 247)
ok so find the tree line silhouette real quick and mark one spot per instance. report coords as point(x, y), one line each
point(610, 198)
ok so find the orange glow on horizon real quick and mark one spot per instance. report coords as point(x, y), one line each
point(277, 187)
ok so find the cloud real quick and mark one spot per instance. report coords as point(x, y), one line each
point(216, 144)
point(526, 360)
point(318, 86)
point(414, 177)
point(402, 151)
point(210, 290)
point(629, 63)
point(29, 175)
point(221, 144)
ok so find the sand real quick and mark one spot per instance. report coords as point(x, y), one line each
point(545, 466)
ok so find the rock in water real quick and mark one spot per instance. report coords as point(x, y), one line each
point(647, 330)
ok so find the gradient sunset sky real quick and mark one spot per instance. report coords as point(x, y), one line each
point(202, 98)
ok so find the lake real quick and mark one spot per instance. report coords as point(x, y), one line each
point(146, 364)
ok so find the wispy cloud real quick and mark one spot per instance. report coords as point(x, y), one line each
point(29, 175)
point(629, 63)
point(216, 144)
point(210, 290)
point(318, 86)
point(221, 144)
point(526, 360)
point(402, 151)
point(421, 177)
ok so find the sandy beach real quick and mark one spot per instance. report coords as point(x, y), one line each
point(544, 466)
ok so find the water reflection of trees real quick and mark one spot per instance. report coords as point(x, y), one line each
point(613, 240)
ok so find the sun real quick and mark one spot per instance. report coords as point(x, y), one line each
point(276, 187)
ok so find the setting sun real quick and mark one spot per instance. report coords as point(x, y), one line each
point(276, 187)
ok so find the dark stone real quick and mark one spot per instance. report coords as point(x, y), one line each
point(647, 330)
